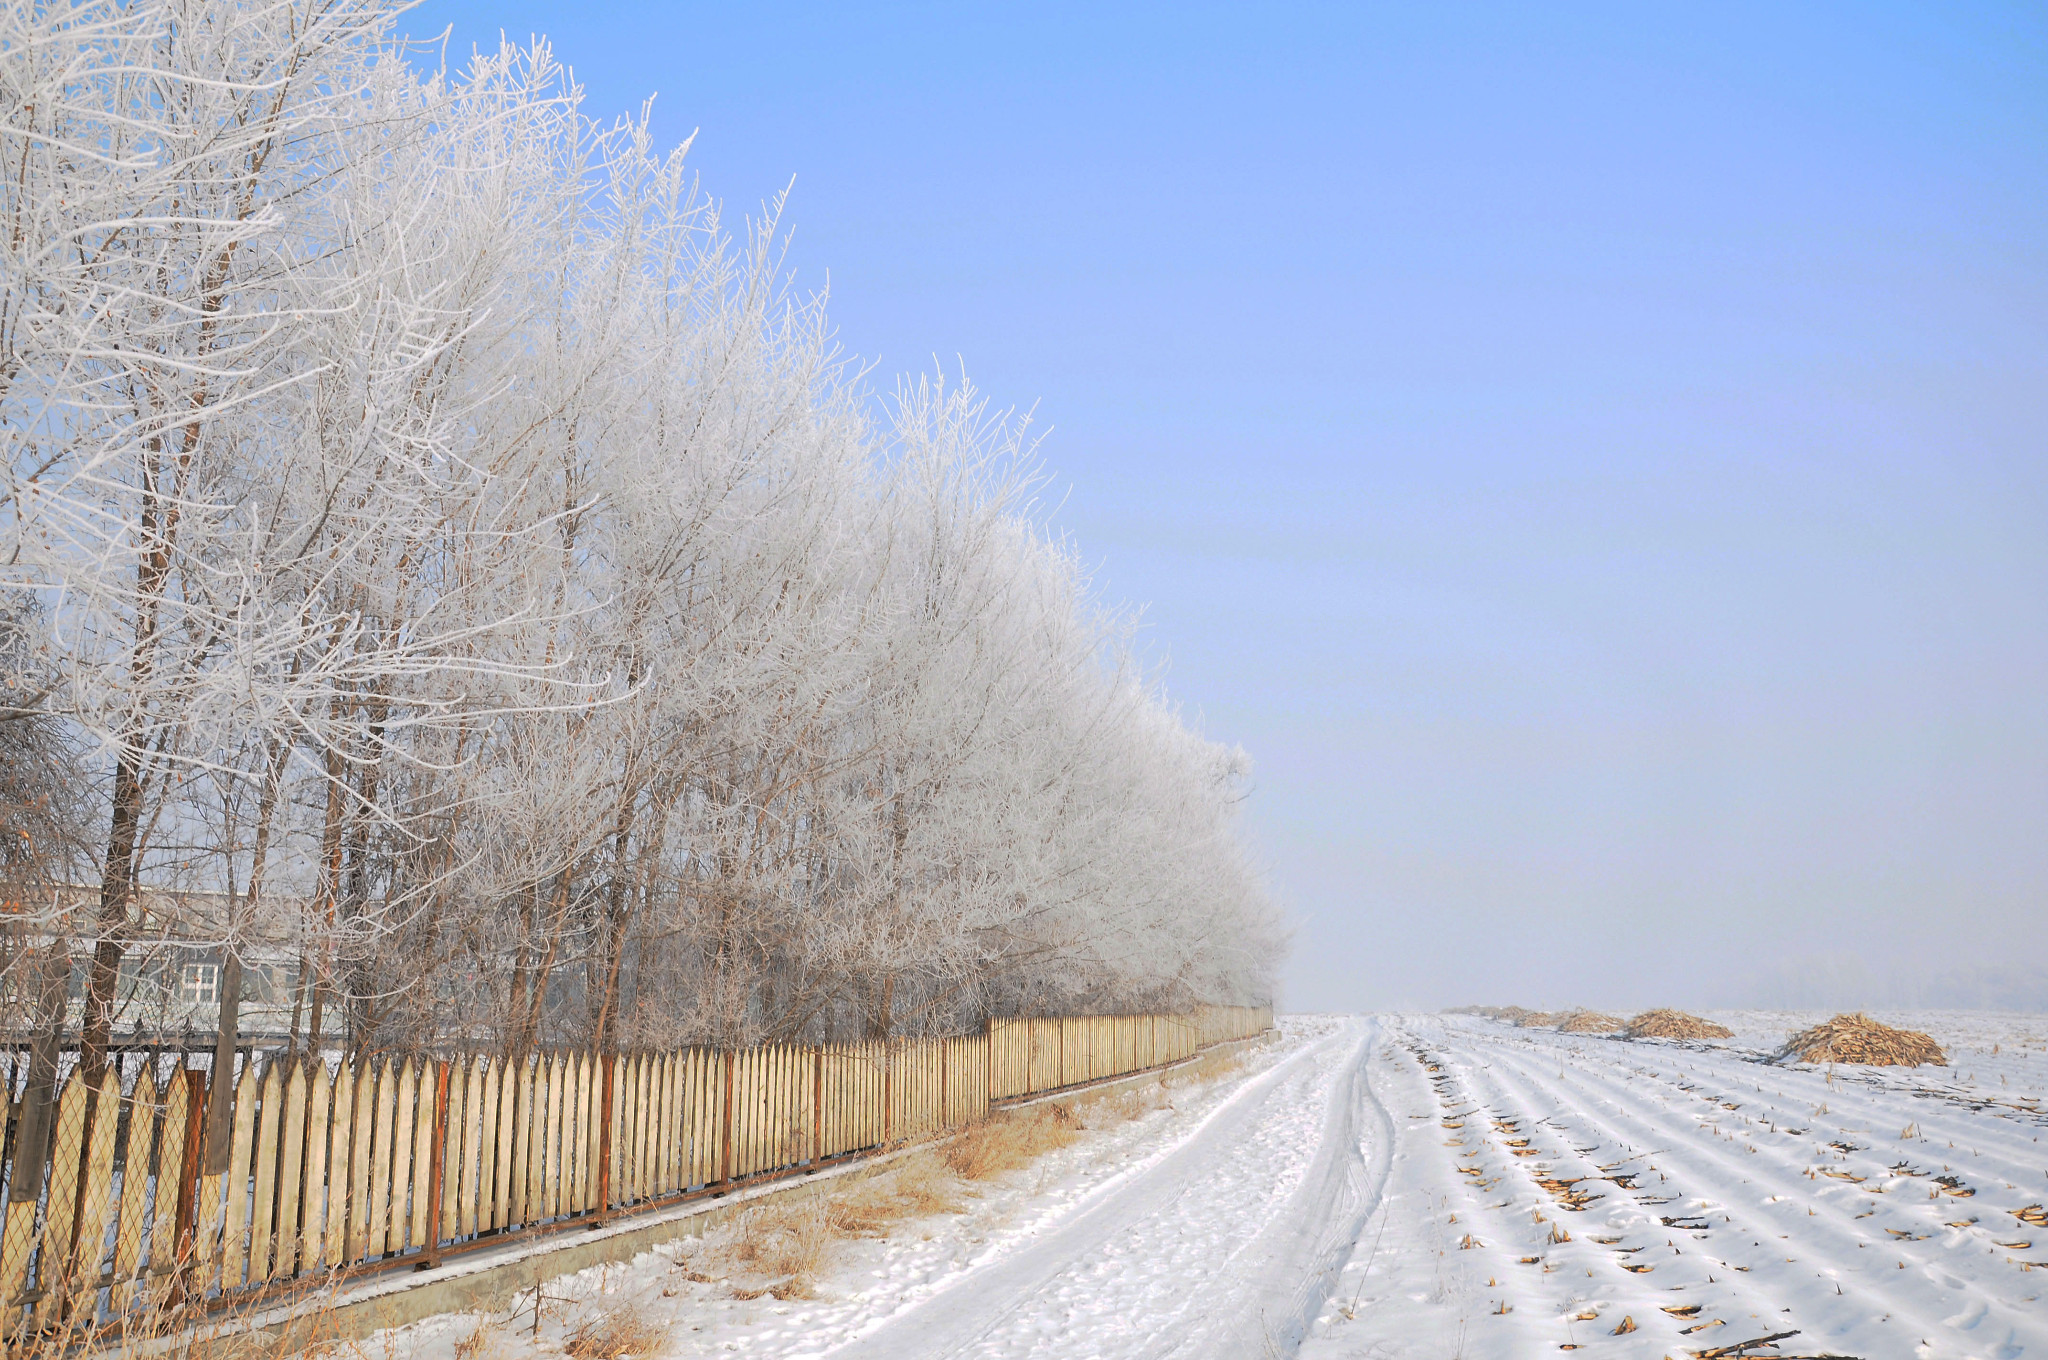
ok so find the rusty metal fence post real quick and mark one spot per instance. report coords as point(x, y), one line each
point(604, 1146)
point(818, 1104)
point(437, 1168)
point(725, 1124)
point(199, 1087)
point(888, 1092)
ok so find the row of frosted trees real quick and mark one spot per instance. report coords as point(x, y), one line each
point(443, 561)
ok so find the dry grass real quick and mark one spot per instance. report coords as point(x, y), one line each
point(1669, 1024)
point(785, 1244)
point(921, 1186)
point(313, 1333)
point(782, 1249)
point(1101, 1110)
point(212, 1346)
point(619, 1334)
point(1008, 1140)
point(1857, 1038)
point(1209, 1067)
point(1589, 1022)
point(481, 1343)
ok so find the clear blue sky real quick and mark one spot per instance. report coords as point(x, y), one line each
point(1592, 457)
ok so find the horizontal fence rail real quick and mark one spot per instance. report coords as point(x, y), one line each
point(332, 1167)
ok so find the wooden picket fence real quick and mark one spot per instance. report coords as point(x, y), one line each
point(1045, 1054)
point(381, 1160)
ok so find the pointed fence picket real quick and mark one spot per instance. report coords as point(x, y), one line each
point(392, 1158)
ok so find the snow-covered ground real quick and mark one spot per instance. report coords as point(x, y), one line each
point(1868, 1212)
point(1449, 1186)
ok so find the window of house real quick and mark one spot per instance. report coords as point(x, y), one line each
point(199, 982)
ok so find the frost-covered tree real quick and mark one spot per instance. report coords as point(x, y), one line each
point(438, 538)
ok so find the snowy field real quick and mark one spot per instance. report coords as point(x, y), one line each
point(1445, 1187)
point(1709, 1198)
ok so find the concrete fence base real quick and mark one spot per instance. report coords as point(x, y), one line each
point(490, 1278)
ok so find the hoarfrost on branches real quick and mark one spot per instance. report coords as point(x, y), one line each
point(454, 561)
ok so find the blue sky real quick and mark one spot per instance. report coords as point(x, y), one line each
point(1592, 457)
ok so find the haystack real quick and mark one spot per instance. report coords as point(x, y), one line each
point(1667, 1024)
point(1513, 1015)
point(1589, 1022)
point(1859, 1039)
point(1537, 1020)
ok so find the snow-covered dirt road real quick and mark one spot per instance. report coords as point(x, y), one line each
point(1211, 1225)
point(1449, 1187)
point(1553, 1192)
point(1225, 1245)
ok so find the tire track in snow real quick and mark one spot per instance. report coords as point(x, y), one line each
point(1295, 1260)
point(1228, 1241)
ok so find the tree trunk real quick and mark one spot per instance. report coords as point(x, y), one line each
point(117, 894)
point(219, 1107)
point(881, 1018)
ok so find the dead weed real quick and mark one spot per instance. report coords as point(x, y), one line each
point(922, 1185)
point(782, 1249)
point(481, 1343)
point(1099, 1110)
point(1208, 1067)
point(787, 1244)
point(616, 1334)
point(1010, 1139)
